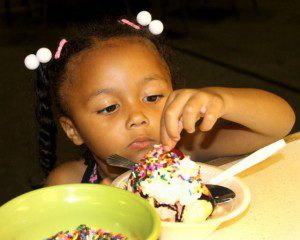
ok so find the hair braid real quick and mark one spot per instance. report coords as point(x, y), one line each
point(47, 127)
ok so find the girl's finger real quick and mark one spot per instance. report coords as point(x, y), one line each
point(192, 111)
point(213, 112)
point(172, 115)
point(166, 141)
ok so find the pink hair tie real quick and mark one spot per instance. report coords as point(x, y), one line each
point(60, 46)
point(125, 21)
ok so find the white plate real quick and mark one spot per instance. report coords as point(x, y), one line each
point(224, 212)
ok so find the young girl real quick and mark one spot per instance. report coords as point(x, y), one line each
point(115, 87)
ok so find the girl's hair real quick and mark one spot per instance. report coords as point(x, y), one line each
point(51, 78)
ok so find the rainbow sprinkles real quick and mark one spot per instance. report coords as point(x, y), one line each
point(167, 163)
point(82, 232)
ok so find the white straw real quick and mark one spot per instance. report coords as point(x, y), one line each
point(249, 161)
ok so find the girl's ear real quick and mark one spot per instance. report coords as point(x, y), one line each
point(70, 130)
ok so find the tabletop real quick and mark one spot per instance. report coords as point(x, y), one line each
point(274, 211)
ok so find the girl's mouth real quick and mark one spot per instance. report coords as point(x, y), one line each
point(141, 143)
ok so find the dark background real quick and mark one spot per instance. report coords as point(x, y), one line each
point(216, 43)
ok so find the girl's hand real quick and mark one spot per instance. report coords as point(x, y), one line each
point(184, 108)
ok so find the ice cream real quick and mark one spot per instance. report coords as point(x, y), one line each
point(172, 184)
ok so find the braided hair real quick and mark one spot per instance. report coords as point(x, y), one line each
point(52, 76)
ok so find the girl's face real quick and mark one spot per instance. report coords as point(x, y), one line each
point(116, 98)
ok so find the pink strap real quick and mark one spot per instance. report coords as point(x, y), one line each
point(60, 46)
point(125, 21)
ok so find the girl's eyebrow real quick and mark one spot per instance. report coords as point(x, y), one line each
point(153, 77)
point(111, 90)
point(99, 92)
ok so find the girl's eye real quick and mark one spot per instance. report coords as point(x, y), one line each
point(153, 98)
point(109, 109)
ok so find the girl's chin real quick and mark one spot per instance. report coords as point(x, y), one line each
point(137, 155)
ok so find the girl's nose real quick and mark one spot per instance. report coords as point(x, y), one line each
point(137, 119)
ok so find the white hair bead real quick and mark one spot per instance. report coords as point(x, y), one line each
point(156, 27)
point(144, 18)
point(31, 62)
point(44, 55)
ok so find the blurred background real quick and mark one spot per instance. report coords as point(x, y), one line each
point(230, 43)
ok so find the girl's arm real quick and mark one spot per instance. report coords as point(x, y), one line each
point(251, 118)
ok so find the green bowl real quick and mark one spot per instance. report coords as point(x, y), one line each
point(42, 213)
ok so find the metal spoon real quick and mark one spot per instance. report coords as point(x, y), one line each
point(219, 193)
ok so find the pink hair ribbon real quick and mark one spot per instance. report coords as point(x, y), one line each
point(125, 21)
point(60, 46)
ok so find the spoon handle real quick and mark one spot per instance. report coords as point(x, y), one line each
point(248, 161)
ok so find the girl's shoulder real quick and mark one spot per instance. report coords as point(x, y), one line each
point(66, 173)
